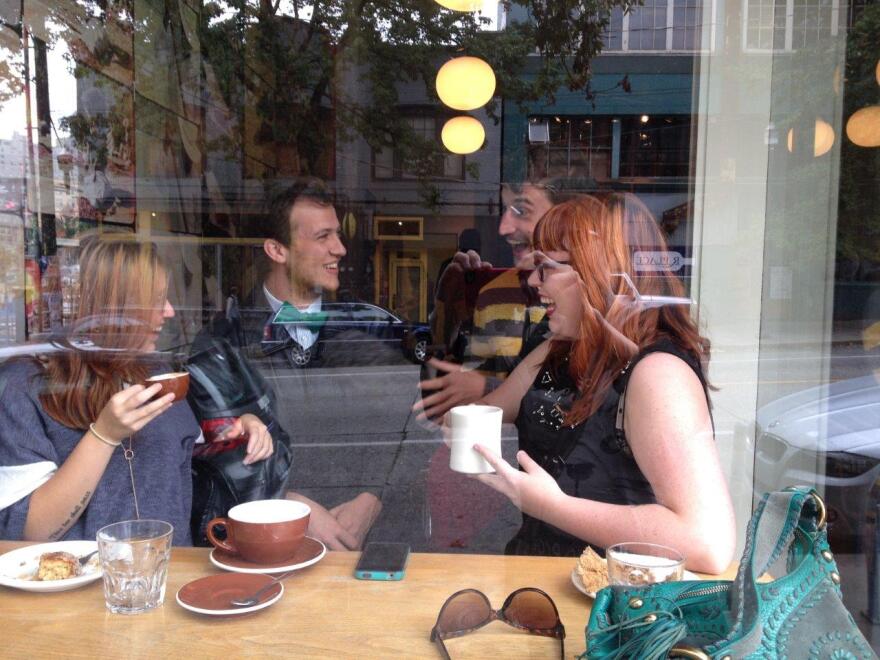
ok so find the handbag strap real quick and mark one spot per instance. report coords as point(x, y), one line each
point(770, 533)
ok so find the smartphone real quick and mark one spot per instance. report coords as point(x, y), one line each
point(382, 561)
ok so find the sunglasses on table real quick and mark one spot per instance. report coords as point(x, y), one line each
point(528, 609)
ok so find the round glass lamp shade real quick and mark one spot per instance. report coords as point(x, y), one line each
point(461, 5)
point(465, 83)
point(823, 139)
point(863, 127)
point(463, 135)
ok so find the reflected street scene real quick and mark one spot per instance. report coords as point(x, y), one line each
point(484, 278)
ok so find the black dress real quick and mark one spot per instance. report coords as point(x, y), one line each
point(590, 460)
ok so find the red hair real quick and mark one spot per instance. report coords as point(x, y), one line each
point(601, 240)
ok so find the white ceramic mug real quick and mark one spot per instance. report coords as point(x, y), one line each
point(469, 425)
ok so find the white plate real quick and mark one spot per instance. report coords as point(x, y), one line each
point(18, 567)
point(576, 581)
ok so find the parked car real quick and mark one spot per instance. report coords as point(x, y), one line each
point(371, 326)
point(828, 436)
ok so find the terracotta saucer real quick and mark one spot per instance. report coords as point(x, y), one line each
point(212, 595)
point(309, 552)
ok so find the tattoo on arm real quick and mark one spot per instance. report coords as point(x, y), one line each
point(72, 518)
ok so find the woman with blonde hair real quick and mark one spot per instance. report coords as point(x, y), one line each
point(616, 437)
point(83, 442)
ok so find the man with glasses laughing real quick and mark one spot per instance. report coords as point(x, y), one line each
point(503, 310)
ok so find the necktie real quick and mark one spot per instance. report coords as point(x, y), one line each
point(287, 313)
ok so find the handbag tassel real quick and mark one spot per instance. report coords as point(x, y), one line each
point(648, 637)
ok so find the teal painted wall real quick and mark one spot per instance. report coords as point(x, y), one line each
point(651, 93)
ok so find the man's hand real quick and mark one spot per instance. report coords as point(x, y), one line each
point(358, 515)
point(324, 526)
point(462, 262)
point(259, 446)
point(469, 260)
point(456, 388)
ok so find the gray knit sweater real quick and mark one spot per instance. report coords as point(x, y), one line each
point(33, 446)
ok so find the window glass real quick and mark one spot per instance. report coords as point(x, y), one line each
point(577, 143)
point(613, 37)
point(258, 161)
point(647, 26)
point(686, 19)
point(810, 22)
point(655, 146)
point(766, 25)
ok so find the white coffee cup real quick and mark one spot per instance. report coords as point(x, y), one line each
point(469, 425)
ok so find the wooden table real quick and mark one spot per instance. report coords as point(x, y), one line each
point(325, 612)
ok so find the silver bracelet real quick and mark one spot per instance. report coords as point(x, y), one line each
point(102, 438)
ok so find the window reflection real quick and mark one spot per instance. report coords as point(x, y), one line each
point(175, 123)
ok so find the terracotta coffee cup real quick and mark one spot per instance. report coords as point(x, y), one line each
point(176, 382)
point(263, 531)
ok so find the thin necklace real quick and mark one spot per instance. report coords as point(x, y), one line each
point(128, 452)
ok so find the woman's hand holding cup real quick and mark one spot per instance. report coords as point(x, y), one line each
point(129, 410)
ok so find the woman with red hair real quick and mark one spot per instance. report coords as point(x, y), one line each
point(616, 437)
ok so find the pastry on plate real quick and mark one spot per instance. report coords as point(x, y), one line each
point(592, 571)
point(58, 566)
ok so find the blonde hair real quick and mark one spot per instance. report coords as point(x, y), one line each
point(122, 282)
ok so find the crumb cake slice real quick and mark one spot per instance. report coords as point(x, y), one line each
point(57, 566)
point(592, 570)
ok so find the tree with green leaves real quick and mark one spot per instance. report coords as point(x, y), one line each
point(307, 49)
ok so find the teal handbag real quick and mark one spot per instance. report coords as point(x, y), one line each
point(799, 615)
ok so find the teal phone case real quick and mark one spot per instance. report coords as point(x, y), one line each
point(379, 575)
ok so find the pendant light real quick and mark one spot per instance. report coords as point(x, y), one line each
point(462, 135)
point(461, 5)
point(863, 127)
point(465, 83)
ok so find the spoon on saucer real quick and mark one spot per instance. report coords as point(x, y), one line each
point(254, 598)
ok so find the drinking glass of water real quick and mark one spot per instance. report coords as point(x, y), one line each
point(134, 557)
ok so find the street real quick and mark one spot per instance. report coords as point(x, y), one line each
point(352, 430)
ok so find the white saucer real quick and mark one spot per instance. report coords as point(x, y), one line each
point(18, 567)
point(311, 551)
point(576, 581)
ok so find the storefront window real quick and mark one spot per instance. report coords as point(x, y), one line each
point(746, 128)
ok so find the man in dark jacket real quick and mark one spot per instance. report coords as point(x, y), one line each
point(303, 249)
point(283, 319)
